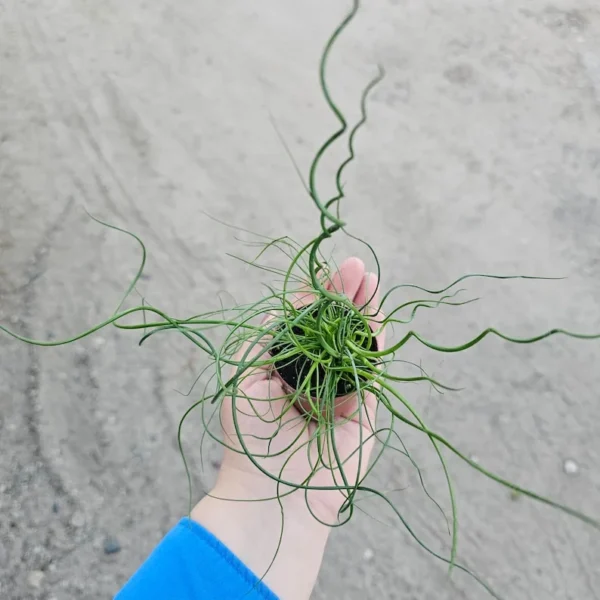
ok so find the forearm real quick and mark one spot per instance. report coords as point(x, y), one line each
point(281, 543)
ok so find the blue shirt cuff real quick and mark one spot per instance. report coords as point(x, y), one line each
point(190, 563)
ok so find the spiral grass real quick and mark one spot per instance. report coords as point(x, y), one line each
point(326, 350)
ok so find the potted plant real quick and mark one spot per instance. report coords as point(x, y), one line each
point(324, 342)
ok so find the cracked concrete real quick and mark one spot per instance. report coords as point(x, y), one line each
point(482, 154)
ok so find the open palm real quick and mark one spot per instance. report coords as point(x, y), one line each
point(288, 450)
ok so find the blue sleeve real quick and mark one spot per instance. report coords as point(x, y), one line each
point(192, 564)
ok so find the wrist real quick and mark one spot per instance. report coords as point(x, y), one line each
point(278, 539)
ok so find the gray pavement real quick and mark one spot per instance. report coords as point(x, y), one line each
point(482, 154)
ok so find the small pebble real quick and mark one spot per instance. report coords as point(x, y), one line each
point(78, 519)
point(570, 467)
point(111, 545)
point(368, 554)
point(55, 507)
point(35, 578)
point(503, 419)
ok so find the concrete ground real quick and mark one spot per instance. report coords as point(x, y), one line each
point(482, 154)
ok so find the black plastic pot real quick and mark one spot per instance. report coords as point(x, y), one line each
point(292, 371)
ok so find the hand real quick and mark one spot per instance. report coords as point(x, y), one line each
point(282, 442)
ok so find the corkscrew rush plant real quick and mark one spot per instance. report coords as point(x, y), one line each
point(326, 346)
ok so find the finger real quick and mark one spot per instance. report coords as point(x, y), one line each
point(300, 297)
point(369, 408)
point(249, 373)
point(358, 407)
point(263, 399)
point(368, 296)
point(303, 296)
point(259, 408)
point(348, 278)
point(362, 406)
point(358, 437)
